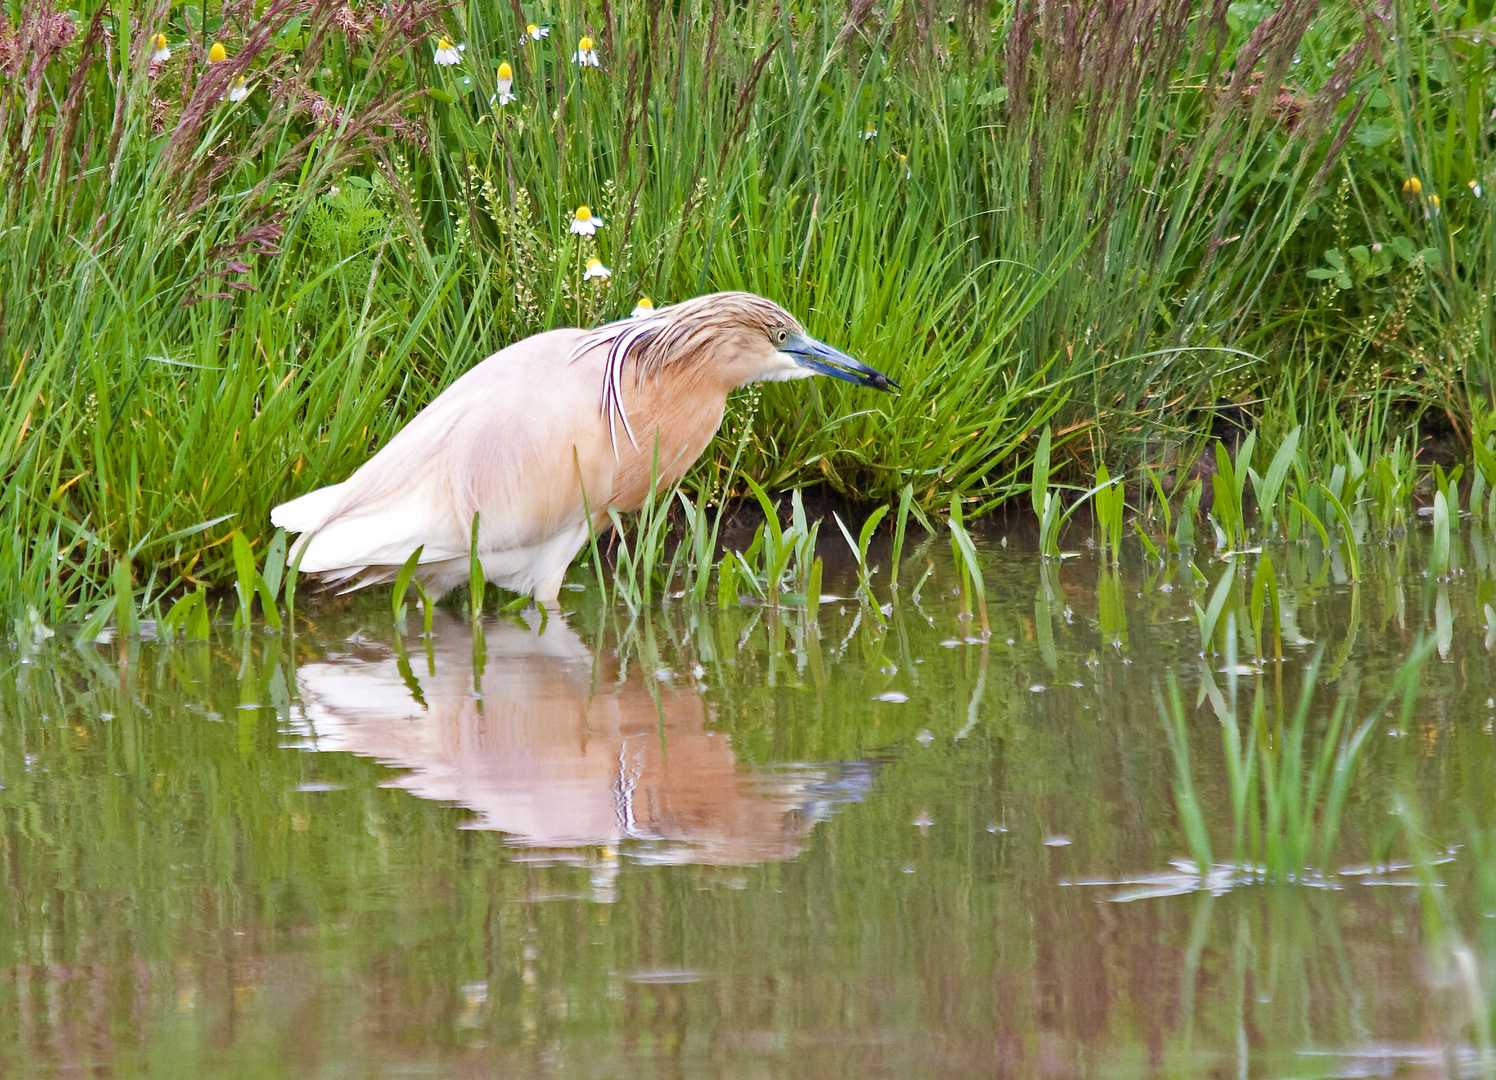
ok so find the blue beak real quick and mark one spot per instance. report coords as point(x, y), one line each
point(821, 358)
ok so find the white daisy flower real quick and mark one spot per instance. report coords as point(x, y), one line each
point(869, 132)
point(596, 269)
point(1475, 188)
point(644, 307)
point(503, 82)
point(238, 90)
point(161, 53)
point(538, 32)
point(448, 54)
point(584, 224)
point(586, 54)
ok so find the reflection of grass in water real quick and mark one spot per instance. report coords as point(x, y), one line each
point(1286, 799)
point(1457, 965)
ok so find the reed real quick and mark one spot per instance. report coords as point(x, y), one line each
point(1265, 592)
point(969, 570)
point(859, 548)
point(1287, 796)
point(780, 564)
point(476, 580)
point(1110, 501)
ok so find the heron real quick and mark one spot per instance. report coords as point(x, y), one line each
point(543, 438)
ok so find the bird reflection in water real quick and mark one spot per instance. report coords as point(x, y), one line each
point(564, 749)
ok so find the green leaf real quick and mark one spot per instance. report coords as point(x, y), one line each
point(275, 561)
point(727, 585)
point(246, 575)
point(1040, 484)
point(1210, 615)
point(868, 528)
point(267, 602)
point(1438, 558)
point(402, 581)
point(124, 591)
point(1269, 489)
point(475, 575)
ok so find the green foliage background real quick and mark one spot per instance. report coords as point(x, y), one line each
point(1107, 218)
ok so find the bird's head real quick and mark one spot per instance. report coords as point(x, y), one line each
point(812, 357)
point(718, 341)
point(742, 338)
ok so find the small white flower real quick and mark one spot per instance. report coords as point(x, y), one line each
point(586, 54)
point(448, 54)
point(584, 224)
point(503, 82)
point(596, 269)
point(869, 133)
point(644, 307)
point(1475, 188)
point(238, 90)
point(161, 54)
point(538, 32)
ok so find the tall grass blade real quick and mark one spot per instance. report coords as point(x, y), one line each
point(1438, 557)
point(402, 583)
point(1191, 814)
point(476, 580)
point(965, 552)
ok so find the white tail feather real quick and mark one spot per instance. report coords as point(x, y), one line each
point(309, 511)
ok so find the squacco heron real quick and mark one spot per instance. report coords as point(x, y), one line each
point(542, 438)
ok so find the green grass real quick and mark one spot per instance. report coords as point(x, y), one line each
point(209, 306)
point(1287, 778)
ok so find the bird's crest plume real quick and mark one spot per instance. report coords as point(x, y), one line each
point(667, 337)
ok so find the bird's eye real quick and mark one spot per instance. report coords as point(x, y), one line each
point(780, 335)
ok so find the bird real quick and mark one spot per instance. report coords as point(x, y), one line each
point(543, 438)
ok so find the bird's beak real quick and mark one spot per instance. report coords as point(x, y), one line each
point(822, 359)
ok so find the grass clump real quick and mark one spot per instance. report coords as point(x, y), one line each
point(1287, 799)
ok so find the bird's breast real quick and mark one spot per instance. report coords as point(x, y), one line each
point(671, 434)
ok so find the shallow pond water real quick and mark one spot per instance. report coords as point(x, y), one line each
point(720, 842)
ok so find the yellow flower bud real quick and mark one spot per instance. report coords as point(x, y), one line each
point(217, 54)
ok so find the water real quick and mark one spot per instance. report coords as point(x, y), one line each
point(721, 843)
